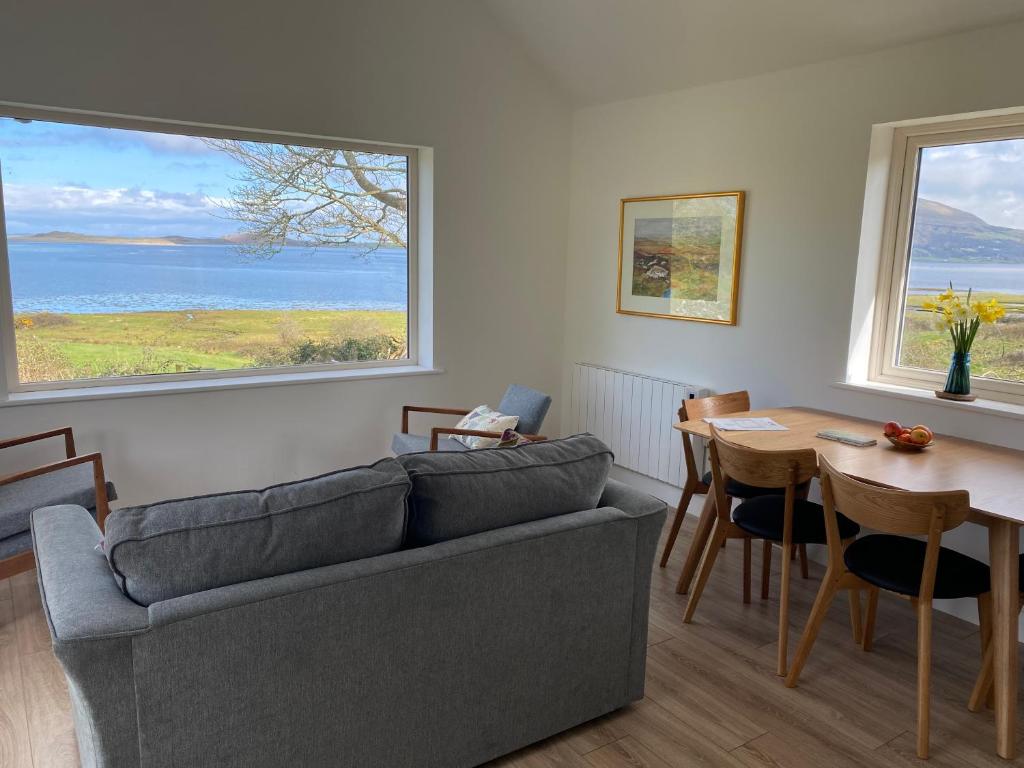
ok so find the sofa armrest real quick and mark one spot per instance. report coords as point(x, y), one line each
point(80, 597)
point(631, 501)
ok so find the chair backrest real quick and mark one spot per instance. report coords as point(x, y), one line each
point(528, 404)
point(702, 407)
point(761, 469)
point(714, 405)
point(889, 510)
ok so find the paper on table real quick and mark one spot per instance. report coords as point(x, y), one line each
point(759, 424)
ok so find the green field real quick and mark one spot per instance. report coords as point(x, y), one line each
point(55, 347)
point(998, 350)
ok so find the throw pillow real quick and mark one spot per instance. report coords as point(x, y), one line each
point(486, 420)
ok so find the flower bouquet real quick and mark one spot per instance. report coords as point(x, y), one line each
point(962, 318)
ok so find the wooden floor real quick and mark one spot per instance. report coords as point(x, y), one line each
point(712, 695)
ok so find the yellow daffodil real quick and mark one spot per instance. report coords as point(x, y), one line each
point(962, 317)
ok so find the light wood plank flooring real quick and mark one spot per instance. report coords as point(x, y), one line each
point(712, 695)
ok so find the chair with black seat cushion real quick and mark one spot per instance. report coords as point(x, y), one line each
point(695, 483)
point(77, 480)
point(911, 568)
point(786, 518)
point(528, 404)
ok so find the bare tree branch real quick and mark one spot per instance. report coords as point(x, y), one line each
point(319, 196)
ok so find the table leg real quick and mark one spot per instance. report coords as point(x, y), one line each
point(700, 539)
point(1003, 554)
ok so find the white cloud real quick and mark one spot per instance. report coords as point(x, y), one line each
point(986, 179)
point(120, 211)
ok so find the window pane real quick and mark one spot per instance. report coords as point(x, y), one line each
point(968, 231)
point(137, 253)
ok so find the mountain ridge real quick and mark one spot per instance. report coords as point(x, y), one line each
point(943, 233)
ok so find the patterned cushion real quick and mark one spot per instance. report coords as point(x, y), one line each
point(487, 420)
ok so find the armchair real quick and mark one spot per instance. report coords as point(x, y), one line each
point(73, 480)
point(528, 404)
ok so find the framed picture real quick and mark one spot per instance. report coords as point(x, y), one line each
point(679, 256)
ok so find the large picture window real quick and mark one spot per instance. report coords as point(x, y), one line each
point(140, 251)
point(955, 217)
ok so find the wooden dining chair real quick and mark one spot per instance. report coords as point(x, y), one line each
point(788, 518)
point(697, 483)
point(891, 560)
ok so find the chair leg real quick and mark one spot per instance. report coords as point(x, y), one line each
point(868, 638)
point(924, 673)
point(766, 568)
point(728, 504)
point(983, 685)
point(826, 593)
point(706, 564)
point(699, 542)
point(855, 616)
point(783, 659)
point(684, 503)
point(804, 572)
point(985, 633)
point(747, 545)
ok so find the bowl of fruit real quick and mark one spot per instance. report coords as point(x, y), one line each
point(915, 438)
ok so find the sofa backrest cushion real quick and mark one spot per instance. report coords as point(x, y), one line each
point(460, 494)
point(184, 546)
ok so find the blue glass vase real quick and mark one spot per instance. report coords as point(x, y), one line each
point(958, 380)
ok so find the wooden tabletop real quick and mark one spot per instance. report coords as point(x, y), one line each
point(994, 476)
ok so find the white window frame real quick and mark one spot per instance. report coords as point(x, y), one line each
point(419, 350)
point(907, 142)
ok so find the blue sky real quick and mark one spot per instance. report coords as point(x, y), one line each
point(107, 181)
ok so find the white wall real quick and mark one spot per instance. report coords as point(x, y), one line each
point(797, 142)
point(437, 74)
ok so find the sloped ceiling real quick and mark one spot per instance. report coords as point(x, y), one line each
point(607, 50)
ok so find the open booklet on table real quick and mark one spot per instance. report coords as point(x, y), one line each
point(755, 424)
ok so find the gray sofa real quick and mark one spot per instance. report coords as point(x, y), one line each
point(444, 653)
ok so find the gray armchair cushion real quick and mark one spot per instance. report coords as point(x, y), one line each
point(184, 546)
point(404, 443)
point(459, 494)
point(73, 485)
point(528, 404)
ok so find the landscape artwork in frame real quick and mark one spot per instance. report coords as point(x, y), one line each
point(679, 256)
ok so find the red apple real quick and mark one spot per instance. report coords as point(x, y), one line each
point(892, 428)
point(905, 437)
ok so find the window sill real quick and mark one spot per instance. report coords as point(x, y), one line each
point(990, 407)
point(209, 385)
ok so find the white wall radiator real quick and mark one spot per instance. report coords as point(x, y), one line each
point(633, 414)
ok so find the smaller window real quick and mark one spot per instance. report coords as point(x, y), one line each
point(955, 217)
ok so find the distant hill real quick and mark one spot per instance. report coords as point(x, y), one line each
point(58, 236)
point(943, 233)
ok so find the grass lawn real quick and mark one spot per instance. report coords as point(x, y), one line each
point(52, 347)
point(998, 350)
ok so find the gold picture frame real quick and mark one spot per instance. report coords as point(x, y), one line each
point(684, 256)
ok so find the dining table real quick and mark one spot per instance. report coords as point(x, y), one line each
point(992, 475)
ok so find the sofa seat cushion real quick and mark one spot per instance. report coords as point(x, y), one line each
point(460, 494)
point(72, 485)
point(184, 546)
point(405, 443)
